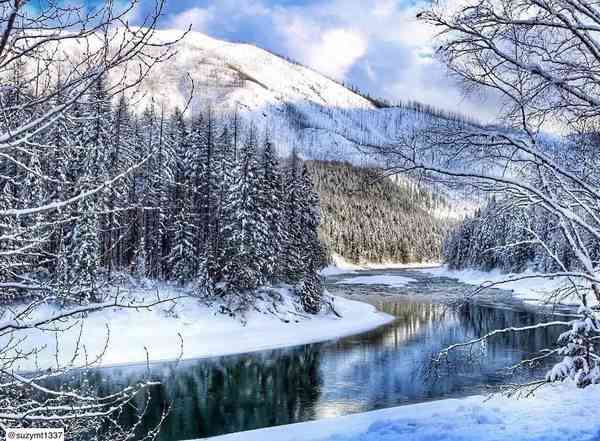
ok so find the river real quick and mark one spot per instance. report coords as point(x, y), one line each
point(387, 367)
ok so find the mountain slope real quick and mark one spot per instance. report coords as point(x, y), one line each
point(300, 108)
point(367, 218)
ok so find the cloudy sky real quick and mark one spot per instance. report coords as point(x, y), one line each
point(376, 45)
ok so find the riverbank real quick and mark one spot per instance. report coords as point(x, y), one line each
point(342, 266)
point(188, 329)
point(528, 286)
point(555, 413)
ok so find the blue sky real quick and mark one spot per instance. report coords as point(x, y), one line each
point(377, 45)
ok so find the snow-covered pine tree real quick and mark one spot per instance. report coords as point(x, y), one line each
point(310, 290)
point(79, 265)
point(177, 189)
point(310, 218)
point(196, 160)
point(225, 178)
point(98, 142)
point(244, 227)
point(119, 216)
point(292, 268)
point(271, 206)
point(208, 187)
point(61, 168)
point(82, 243)
point(312, 253)
point(161, 182)
point(149, 190)
point(580, 361)
point(183, 260)
point(135, 247)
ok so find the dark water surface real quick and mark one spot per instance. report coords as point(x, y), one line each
point(387, 367)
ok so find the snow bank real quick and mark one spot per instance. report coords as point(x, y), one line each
point(343, 266)
point(392, 265)
point(534, 288)
point(556, 413)
point(393, 281)
point(204, 332)
point(340, 266)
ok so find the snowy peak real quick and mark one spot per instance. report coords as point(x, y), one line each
point(300, 108)
point(253, 76)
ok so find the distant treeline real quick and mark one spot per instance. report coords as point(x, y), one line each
point(503, 236)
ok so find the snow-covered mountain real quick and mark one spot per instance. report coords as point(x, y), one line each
point(301, 108)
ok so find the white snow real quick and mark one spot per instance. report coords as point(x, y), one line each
point(340, 266)
point(393, 265)
point(204, 332)
point(333, 270)
point(343, 266)
point(556, 413)
point(532, 287)
point(393, 281)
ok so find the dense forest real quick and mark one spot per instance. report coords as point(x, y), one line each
point(366, 217)
point(503, 236)
point(199, 200)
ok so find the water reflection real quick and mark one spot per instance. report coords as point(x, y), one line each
point(383, 368)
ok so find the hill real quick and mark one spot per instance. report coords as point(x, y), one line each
point(368, 218)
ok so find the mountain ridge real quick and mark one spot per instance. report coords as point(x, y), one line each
point(302, 109)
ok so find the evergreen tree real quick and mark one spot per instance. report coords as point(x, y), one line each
point(183, 259)
point(312, 253)
point(292, 267)
point(245, 228)
point(80, 265)
point(201, 208)
point(270, 206)
point(310, 291)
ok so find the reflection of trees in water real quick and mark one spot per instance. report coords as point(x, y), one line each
point(482, 320)
point(228, 395)
point(383, 368)
point(396, 366)
point(495, 355)
point(412, 319)
point(390, 365)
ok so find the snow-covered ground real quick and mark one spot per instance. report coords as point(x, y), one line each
point(556, 413)
point(388, 280)
point(528, 286)
point(342, 266)
point(204, 332)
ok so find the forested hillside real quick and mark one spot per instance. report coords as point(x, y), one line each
point(365, 217)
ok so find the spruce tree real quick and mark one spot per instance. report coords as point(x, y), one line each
point(271, 210)
point(245, 228)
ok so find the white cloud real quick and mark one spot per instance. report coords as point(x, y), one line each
point(391, 48)
point(335, 35)
point(220, 14)
point(332, 52)
point(197, 18)
point(384, 8)
point(337, 51)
